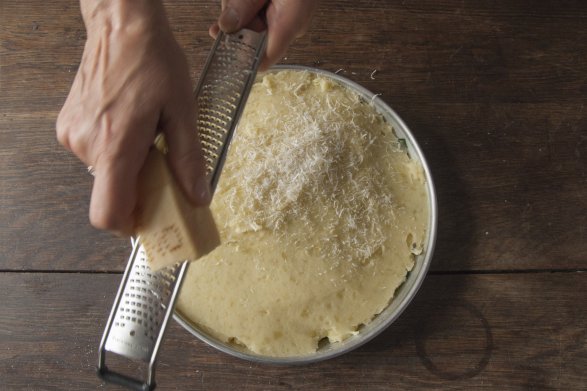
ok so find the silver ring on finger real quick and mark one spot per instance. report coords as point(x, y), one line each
point(92, 171)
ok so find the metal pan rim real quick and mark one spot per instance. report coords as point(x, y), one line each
point(404, 294)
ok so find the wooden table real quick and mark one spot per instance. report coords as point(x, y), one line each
point(496, 94)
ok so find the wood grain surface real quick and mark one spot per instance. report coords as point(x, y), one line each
point(495, 93)
point(461, 332)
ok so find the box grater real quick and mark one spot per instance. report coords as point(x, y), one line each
point(145, 299)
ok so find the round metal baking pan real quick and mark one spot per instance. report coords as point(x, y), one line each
point(404, 294)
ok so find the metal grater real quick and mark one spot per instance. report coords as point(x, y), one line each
point(145, 299)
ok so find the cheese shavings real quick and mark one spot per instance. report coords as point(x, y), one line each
point(304, 164)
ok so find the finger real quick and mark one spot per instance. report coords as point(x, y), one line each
point(74, 132)
point(257, 24)
point(114, 193)
point(237, 14)
point(68, 120)
point(286, 20)
point(62, 128)
point(186, 160)
point(214, 30)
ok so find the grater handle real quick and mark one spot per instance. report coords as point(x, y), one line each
point(123, 380)
point(106, 373)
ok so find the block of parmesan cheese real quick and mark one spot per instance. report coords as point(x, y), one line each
point(170, 229)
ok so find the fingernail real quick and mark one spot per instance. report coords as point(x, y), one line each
point(228, 20)
point(213, 30)
point(202, 190)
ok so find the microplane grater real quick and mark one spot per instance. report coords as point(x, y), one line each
point(145, 299)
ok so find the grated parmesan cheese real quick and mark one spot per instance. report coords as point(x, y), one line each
point(312, 172)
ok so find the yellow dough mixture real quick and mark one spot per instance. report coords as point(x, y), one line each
point(321, 212)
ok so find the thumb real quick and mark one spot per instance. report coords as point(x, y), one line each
point(186, 160)
point(237, 14)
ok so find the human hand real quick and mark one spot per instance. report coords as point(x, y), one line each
point(285, 20)
point(133, 82)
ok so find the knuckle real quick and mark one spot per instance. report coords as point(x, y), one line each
point(106, 220)
point(76, 142)
point(245, 5)
point(63, 138)
point(70, 133)
point(62, 130)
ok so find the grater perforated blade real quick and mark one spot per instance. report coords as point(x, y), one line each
point(145, 299)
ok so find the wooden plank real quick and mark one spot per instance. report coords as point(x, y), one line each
point(511, 187)
point(448, 51)
point(504, 331)
point(45, 196)
point(494, 93)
